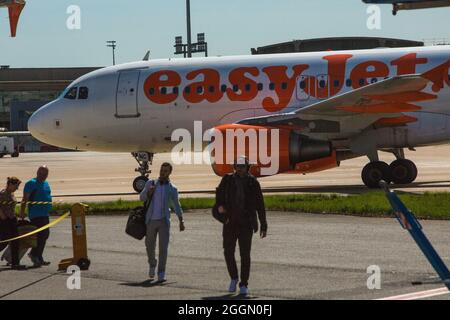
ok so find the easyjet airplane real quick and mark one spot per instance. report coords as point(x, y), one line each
point(328, 107)
point(15, 8)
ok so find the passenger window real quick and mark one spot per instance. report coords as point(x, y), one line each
point(199, 89)
point(83, 93)
point(175, 90)
point(248, 87)
point(374, 80)
point(322, 84)
point(72, 93)
point(362, 82)
point(223, 88)
point(151, 91)
point(302, 85)
point(212, 89)
point(235, 88)
point(284, 85)
point(272, 86)
point(260, 87)
point(163, 90)
point(187, 90)
point(336, 83)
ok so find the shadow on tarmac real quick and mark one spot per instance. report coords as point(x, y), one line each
point(146, 284)
point(230, 297)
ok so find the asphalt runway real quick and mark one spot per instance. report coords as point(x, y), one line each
point(77, 173)
point(304, 257)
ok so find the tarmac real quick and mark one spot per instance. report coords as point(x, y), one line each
point(304, 257)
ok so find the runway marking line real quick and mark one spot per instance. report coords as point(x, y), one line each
point(419, 295)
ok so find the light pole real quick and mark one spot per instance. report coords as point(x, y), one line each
point(188, 20)
point(112, 44)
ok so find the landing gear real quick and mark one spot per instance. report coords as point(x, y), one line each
point(400, 171)
point(144, 159)
point(374, 172)
point(403, 171)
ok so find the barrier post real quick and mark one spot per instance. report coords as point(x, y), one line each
point(80, 256)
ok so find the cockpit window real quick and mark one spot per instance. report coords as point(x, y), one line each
point(71, 93)
point(84, 93)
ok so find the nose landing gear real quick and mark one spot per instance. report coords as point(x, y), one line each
point(144, 159)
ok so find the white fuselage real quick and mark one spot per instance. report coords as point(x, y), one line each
point(137, 106)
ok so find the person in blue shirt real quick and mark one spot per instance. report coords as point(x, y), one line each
point(38, 189)
point(164, 197)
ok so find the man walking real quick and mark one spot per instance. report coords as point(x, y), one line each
point(8, 221)
point(163, 196)
point(38, 189)
point(239, 198)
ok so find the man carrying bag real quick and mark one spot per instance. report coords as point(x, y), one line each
point(164, 196)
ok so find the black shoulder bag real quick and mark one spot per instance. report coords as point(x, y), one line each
point(136, 226)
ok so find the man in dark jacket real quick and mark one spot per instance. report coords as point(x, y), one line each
point(239, 199)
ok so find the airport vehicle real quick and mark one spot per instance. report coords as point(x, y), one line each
point(410, 4)
point(7, 147)
point(328, 107)
point(15, 8)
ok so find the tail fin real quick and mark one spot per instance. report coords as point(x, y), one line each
point(14, 9)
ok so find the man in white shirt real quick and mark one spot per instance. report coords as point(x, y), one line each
point(164, 196)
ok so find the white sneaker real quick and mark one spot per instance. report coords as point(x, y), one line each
point(243, 291)
point(233, 285)
point(151, 273)
point(162, 277)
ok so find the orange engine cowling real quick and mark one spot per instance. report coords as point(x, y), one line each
point(270, 150)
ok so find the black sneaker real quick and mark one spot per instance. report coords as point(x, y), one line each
point(44, 263)
point(18, 267)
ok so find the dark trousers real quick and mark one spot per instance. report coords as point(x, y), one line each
point(41, 236)
point(8, 230)
point(243, 235)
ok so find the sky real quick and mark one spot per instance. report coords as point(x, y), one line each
point(232, 27)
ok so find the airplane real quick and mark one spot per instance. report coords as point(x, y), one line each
point(15, 8)
point(328, 107)
point(410, 4)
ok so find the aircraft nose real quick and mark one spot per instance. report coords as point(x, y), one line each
point(39, 123)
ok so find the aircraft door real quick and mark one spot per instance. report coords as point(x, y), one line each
point(127, 94)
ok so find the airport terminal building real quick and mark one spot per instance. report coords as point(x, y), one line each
point(24, 90)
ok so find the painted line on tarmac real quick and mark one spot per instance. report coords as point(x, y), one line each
point(27, 286)
point(419, 295)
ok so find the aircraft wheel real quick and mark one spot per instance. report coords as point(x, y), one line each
point(374, 172)
point(139, 183)
point(403, 171)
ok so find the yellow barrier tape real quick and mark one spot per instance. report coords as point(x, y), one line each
point(8, 203)
point(51, 224)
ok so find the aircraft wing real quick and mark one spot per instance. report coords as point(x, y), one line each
point(381, 103)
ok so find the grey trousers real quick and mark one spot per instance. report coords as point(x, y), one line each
point(161, 229)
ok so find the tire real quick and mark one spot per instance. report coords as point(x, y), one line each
point(139, 183)
point(1, 156)
point(374, 172)
point(15, 154)
point(403, 171)
point(84, 264)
